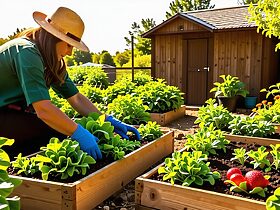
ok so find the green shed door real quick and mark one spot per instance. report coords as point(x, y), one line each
point(197, 71)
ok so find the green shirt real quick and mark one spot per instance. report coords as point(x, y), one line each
point(22, 75)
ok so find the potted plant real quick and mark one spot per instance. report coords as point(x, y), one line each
point(227, 91)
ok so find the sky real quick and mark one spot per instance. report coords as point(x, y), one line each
point(107, 22)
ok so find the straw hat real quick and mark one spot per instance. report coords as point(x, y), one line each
point(65, 24)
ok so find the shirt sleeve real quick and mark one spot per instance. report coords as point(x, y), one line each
point(30, 71)
point(67, 89)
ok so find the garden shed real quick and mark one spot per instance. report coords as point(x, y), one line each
point(191, 49)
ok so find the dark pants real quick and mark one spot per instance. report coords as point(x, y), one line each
point(28, 131)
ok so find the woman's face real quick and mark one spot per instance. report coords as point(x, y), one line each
point(63, 49)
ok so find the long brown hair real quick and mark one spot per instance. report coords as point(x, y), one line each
point(55, 70)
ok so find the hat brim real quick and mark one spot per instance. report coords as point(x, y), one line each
point(40, 18)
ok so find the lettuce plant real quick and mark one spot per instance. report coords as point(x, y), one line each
point(129, 109)
point(7, 184)
point(260, 158)
point(240, 155)
point(207, 140)
point(110, 145)
point(273, 201)
point(275, 152)
point(214, 113)
point(188, 168)
point(250, 126)
point(150, 131)
point(159, 96)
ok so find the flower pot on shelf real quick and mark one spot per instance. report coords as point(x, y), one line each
point(250, 102)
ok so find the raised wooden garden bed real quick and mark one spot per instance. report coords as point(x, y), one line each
point(153, 194)
point(88, 192)
point(165, 118)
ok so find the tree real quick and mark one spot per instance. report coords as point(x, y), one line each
point(96, 58)
point(177, 6)
point(81, 56)
point(242, 2)
point(142, 45)
point(122, 58)
point(106, 58)
point(266, 16)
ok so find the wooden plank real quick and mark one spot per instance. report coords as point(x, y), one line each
point(165, 118)
point(162, 195)
point(250, 139)
point(88, 192)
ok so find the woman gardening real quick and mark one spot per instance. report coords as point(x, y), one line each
point(29, 66)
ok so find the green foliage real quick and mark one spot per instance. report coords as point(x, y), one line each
point(230, 86)
point(249, 126)
point(273, 201)
point(267, 111)
point(140, 78)
point(121, 87)
point(260, 158)
point(57, 159)
point(78, 73)
point(150, 131)
point(94, 94)
point(142, 45)
point(275, 152)
point(266, 16)
point(122, 58)
point(7, 184)
point(177, 6)
point(188, 168)
point(96, 76)
point(207, 140)
point(109, 144)
point(243, 188)
point(214, 113)
point(129, 109)
point(140, 61)
point(240, 154)
point(106, 58)
point(159, 96)
point(80, 57)
point(273, 90)
point(242, 2)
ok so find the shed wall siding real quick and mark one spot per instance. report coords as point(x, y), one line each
point(168, 59)
point(239, 54)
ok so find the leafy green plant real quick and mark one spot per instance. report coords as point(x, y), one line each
point(121, 87)
point(95, 94)
point(110, 145)
point(141, 78)
point(97, 77)
point(150, 131)
point(260, 158)
point(250, 126)
point(77, 74)
point(240, 155)
point(275, 152)
point(273, 201)
point(214, 113)
point(273, 90)
point(159, 96)
point(229, 87)
point(188, 168)
point(7, 184)
point(268, 111)
point(129, 109)
point(207, 140)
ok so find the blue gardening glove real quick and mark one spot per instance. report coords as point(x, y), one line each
point(122, 128)
point(87, 141)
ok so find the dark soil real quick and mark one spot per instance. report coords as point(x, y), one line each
point(221, 163)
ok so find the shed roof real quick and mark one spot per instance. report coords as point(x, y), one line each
point(213, 19)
